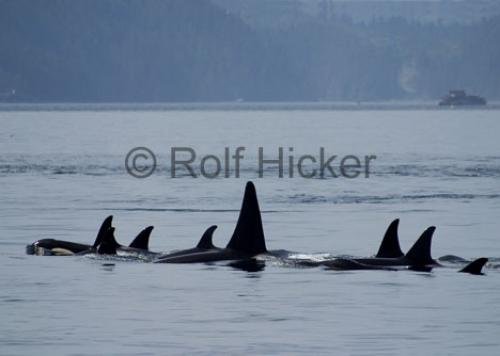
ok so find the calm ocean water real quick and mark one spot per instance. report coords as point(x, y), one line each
point(62, 172)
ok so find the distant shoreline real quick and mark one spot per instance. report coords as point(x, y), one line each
point(240, 106)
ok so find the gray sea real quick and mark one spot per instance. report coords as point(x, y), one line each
point(62, 171)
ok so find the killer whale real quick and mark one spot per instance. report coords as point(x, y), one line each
point(109, 246)
point(348, 264)
point(53, 247)
point(475, 267)
point(389, 247)
point(390, 257)
point(247, 241)
point(419, 256)
point(141, 241)
point(203, 245)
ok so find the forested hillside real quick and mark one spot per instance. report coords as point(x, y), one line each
point(194, 50)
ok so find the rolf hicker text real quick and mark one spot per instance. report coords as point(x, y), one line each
point(141, 162)
point(287, 163)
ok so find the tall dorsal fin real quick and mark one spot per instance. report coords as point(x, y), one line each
point(206, 240)
point(420, 253)
point(475, 266)
point(108, 244)
point(389, 248)
point(105, 226)
point(248, 235)
point(142, 239)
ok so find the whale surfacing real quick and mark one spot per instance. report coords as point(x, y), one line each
point(475, 267)
point(418, 257)
point(53, 247)
point(246, 242)
point(389, 248)
point(104, 243)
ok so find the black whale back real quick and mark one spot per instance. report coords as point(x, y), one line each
point(206, 240)
point(420, 253)
point(103, 230)
point(389, 248)
point(475, 267)
point(142, 239)
point(248, 236)
point(108, 245)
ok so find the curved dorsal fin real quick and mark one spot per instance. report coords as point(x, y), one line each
point(206, 240)
point(108, 244)
point(142, 239)
point(105, 226)
point(420, 253)
point(475, 266)
point(248, 235)
point(389, 248)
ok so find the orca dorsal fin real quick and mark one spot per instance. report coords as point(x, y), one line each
point(248, 235)
point(103, 230)
point(389, 248)
point(206, 240)
point(420, 253)
point(142, 239)
point(475, 267)
point(108, 244)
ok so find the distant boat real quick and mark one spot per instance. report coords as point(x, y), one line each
point(460, 98)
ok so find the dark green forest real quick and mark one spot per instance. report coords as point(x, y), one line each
point(193, 50)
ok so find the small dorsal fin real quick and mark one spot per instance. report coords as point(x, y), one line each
point(248, 236)
point(420, 253)
point(108, 244)
point(106, 224)
point(475, 267)
point(389, 248)
point(206, 240)
point(142, 239)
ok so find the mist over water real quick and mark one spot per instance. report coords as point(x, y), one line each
point(247, 50)
point(62, 172)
